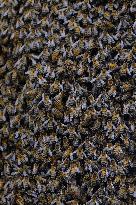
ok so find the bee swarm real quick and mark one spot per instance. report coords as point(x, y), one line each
point(67, 102)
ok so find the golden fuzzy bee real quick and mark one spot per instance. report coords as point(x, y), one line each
point(5, 131)
point(55, 55)
point(67, 152)
point(112, 66)
point(123, 70)
point(2, 117)
point(35, 169)
point(103, 173)
point(96, 63)
point(77, 30)
point(14, 75)
point(94, 178)
point(45, 8)
point(58, 102)
point(15, 121)
point(115, 116)
point(76, 51)
point(19, 200)
point(55, 87)
point(57, 114)
point(121, 127)
point(85, 22)
point(7, 169)
point(122, 192)
point(1, 184)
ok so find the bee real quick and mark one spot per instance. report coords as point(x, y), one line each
point(19, 23)
point(55, 55)
point(14, 75)
point(126, 87)
point(45, 8)
point(85, 20)
point(50, 125)
point(104, 173)
point(2, 104)
point(28, 14)
point(112, 66)
point(31, 74)
point(26, 182)
point(7, 169)
point(115, 117)
point(76, 51)
point(5, 131)
point(103, 159)
point(35, 169)
point(57, 114)
point(112, 91)
point(22, 33)
point(115, 14)
point(96, 63)
point(84, 104)
point(55, 87)
point(2, 116)
point(131, 189)
point(94, 178)
point(19, 159)
point(1, 184)
point(66, 117)
point(104, 111)
point(15, 121)
point(77, 30)
point(19, 200)
point(81, 43)
point(121, 128)
point(122, 192)
point(58, 102)
point(117, 179)
point(67, 152)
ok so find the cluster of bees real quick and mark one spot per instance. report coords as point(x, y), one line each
point(67, 102)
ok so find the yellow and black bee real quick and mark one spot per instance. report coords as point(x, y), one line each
point(20, 200)
point(58, 102)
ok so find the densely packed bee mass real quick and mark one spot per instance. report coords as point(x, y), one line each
point(67, 102)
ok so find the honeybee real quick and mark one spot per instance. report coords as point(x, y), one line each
point(57, 114)
point(67, 152)
point(14, 75)
point(20, 200)
point(2, 116)
point(122, 192)
point(77, 30)
point(31, 74)
point(94, 178)
point(112, 91)
point(15, 121)
point(126, 86)
point(5, 131)
point(53, 171)
point(55, 55)
point(104, 173)
point(76, 51)
point(117, 149)
point(121, 127)
point(45, 8)
point(1, 184)
point(112, 66)
point(55, 87)
point(35, 169)
point(115, 116)
point(58, 102)
point(96, 63)
point(7, 169)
